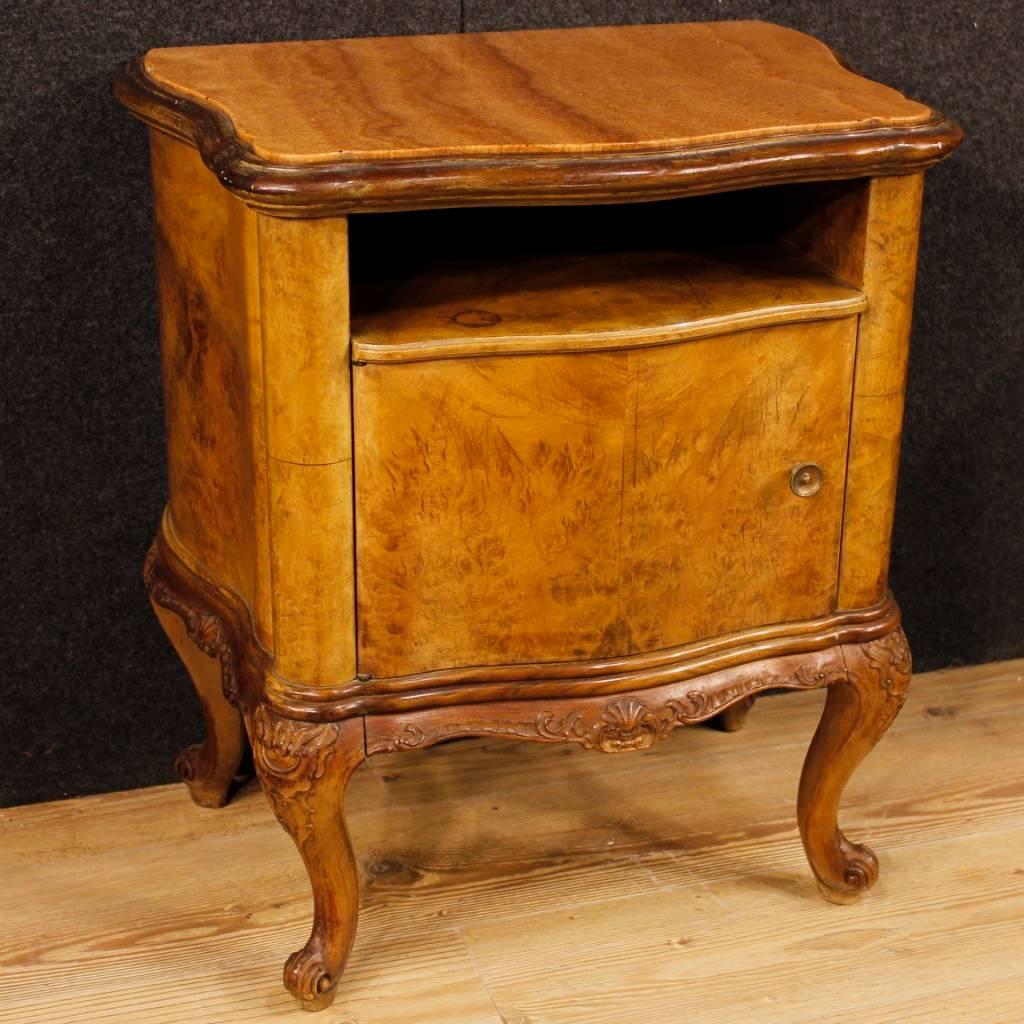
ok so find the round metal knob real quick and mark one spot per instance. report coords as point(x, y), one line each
point(806, 478)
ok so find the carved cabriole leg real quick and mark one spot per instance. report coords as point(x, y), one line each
point(304, 768)
point(857, 713)
point(210, 768)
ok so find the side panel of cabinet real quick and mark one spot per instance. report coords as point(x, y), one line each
point(307, 383)
point(883, 346)
point(570, 507)
point(866, 232)
point(209, 322)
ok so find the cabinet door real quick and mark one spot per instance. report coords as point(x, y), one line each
point(571, 507)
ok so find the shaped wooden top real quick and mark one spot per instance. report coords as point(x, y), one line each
point(562, 115)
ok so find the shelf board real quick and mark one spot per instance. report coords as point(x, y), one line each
point(590, 302)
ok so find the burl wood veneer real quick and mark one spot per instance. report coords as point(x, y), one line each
point(579, 473)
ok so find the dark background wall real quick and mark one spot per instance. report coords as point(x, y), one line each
point(92, 697)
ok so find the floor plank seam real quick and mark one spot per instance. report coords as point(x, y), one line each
point(499, 1016)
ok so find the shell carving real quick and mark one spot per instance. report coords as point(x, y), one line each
point(624, 723)
point(630, 725)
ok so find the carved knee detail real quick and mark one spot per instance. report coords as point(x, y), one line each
point(203, 627)
point(890, 664)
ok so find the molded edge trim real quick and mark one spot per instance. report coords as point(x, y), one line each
point(628, 721)
point(564, 680)
point(339, 187)
point(603, 341)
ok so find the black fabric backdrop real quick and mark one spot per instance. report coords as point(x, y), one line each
point(92, 696)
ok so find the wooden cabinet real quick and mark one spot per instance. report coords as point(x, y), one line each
point(607, 474)
point(544, 385)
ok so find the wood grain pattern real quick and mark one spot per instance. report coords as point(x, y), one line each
point(223, 623)
point(889, 270)
point(205, 255)
point(311, 557)
point(671, 886)
point(304, 314)
point(538, 91)
point(581, 303)
point(645, 498)
point(829, 222)
point(866, 233)
point(538, 116)
point(304, 318)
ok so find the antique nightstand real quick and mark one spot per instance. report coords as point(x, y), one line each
point(580, 473)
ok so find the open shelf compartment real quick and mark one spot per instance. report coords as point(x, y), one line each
point(460, 283)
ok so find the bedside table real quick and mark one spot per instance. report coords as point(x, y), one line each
point(544, 385)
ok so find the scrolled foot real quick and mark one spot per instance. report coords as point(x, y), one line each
point(208, 783)
point(192, 768)
point(308, 979)
point(186, 763)
point(304, 768)
point(858, 710)
point(859, 873)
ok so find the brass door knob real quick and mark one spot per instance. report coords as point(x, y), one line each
point(806, 478)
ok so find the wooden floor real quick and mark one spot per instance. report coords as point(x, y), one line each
point(546, 885)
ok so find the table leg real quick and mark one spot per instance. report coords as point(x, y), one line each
point(305, 768)
point(733, 717)
point(210, 769)
point(858, 710)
